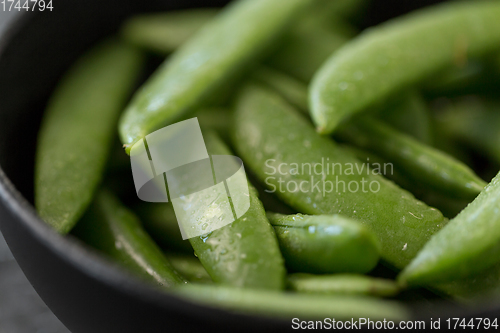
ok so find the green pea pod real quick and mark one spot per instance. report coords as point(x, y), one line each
point(160, 222)
point(163, 33)
point(289, 305)
point(398, 54)
point(223, 48)
point(410, 115)
point(282, 150)
point(244, 253)
point(424, 163)
point(77, 131)
point(114, 230)
point(430, 166)
point(190, 267)
point(348, 284)
point(325, 243)
point(447, 205)
point(468, 244)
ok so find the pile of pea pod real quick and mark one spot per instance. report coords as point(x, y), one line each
point(281, 83)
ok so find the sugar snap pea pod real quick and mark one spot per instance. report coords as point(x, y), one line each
point(160, 222)
point(190, 267)
point(410, 115)
point(111, 228)
point(280, 146)
point(165, 32)
point(468, 244)
point(216, 53)
point(420, 161)
point(447, 205)
point(292, 305)
point(349, 284)
point(398, 54)
point(244, 253)
point(325, 243)
point(77, 131)
point(431, 166)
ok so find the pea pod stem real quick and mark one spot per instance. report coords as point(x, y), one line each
point(325, 243)
point(199, 68)
point(77, 131)
point(342, 284)
point(398, 54)
point(114, 230)
point(269, 133)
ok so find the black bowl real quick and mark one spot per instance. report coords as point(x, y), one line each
point(86, 292)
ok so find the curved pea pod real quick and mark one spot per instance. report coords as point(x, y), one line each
point(77, 131)
point(290, 305)
point(410, 115)
point(217, 53)
point(347, 284)
point(163, 33)
point(430, 166)
point(190, 267)
point(160, 222)
point(112, 229)
point(468, 244)
point(282, 149)
point(325, 243)
point(400, 53)
point(244, 253)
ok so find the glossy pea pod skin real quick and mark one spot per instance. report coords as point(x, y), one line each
point(422, 162)
point(220, 51)
point(469, 244)
point(342, 284)
point(163, 33)
point(325, 243)
point(244, 253)
point(430, 166)
point(289, 305)
point(77, 131)
point(269, 133)
point(112, 229)
point(400, 53)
